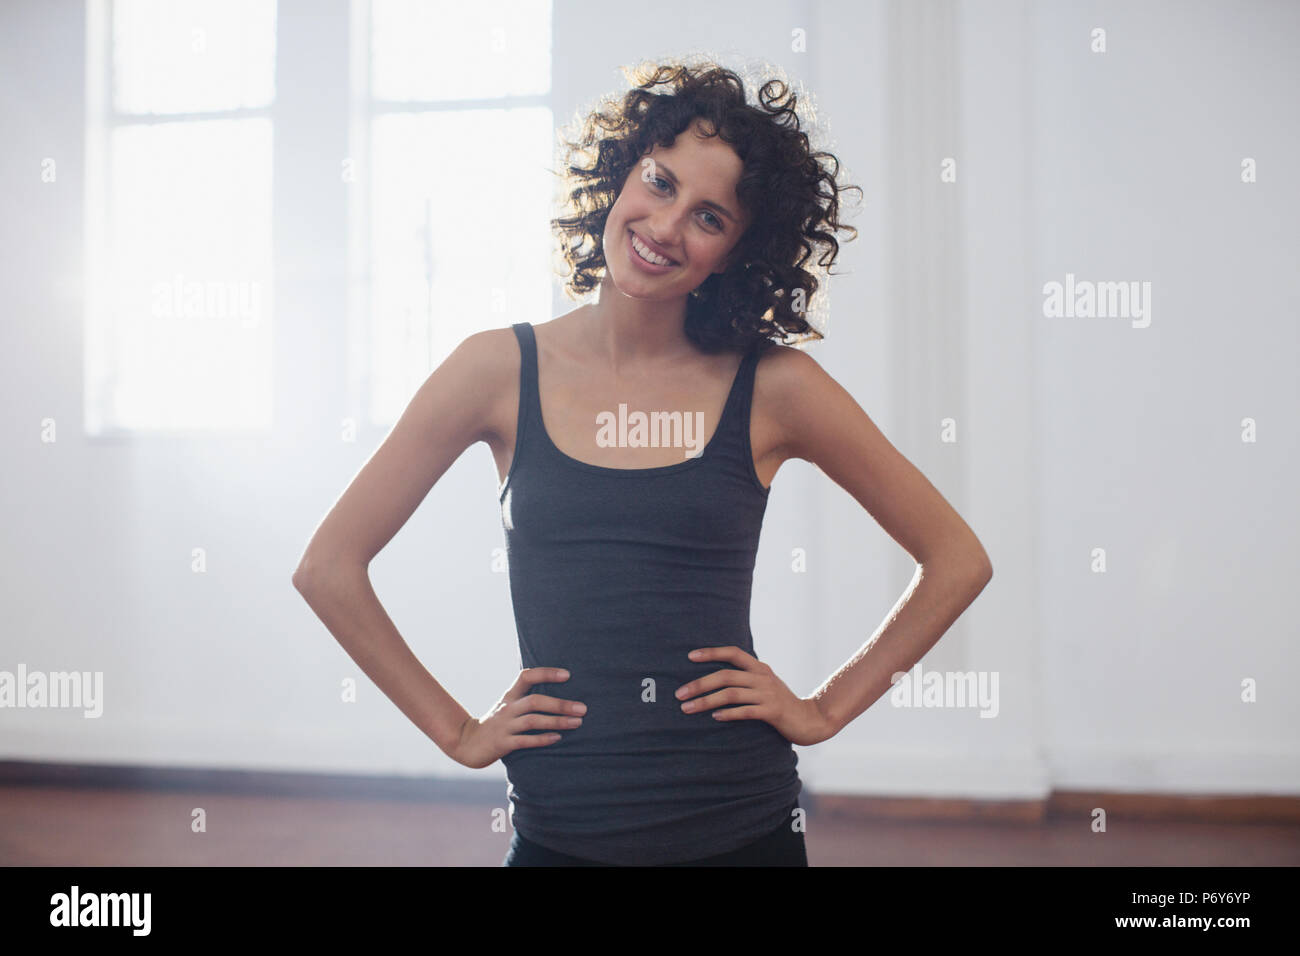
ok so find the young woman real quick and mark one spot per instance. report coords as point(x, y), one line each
point(643, 728)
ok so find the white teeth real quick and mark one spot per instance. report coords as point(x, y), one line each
point(644, 252)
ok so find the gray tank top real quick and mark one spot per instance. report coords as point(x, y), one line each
point(615, 575)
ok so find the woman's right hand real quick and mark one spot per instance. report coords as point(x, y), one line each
point(484, 740)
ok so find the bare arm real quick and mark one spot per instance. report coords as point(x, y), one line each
point(818, 421)
point(455, 407)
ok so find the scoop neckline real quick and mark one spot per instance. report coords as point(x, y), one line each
point(652, 470)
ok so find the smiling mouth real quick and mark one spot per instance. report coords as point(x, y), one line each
point(638, 240)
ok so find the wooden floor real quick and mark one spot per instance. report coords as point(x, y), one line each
point(76, 826)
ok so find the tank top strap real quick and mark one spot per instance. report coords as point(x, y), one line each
point(529, 399)
point(735, 416)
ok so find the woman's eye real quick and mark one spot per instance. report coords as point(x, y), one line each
point(654, 180)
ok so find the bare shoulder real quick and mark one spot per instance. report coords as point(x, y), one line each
point(491, 352)
point(486, 364)
point(789, 388)
point(783, 376)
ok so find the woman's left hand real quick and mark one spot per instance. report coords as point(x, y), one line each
point(758, 692)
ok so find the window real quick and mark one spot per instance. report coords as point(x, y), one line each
point(448, 182)
point(453, 195)
point(178, 215)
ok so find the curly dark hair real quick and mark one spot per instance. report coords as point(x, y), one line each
point(789, 193)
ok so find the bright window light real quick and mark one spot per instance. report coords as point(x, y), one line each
point(461, 136)
point(178, 243)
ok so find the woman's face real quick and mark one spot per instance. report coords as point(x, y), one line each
point(681, 201)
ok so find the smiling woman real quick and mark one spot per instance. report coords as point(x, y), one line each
point(642, 727)
point(757, 236)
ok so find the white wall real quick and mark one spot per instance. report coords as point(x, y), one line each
point(1137, 174)
point(1073, 434)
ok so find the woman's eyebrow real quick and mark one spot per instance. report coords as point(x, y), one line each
point(668, 174)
